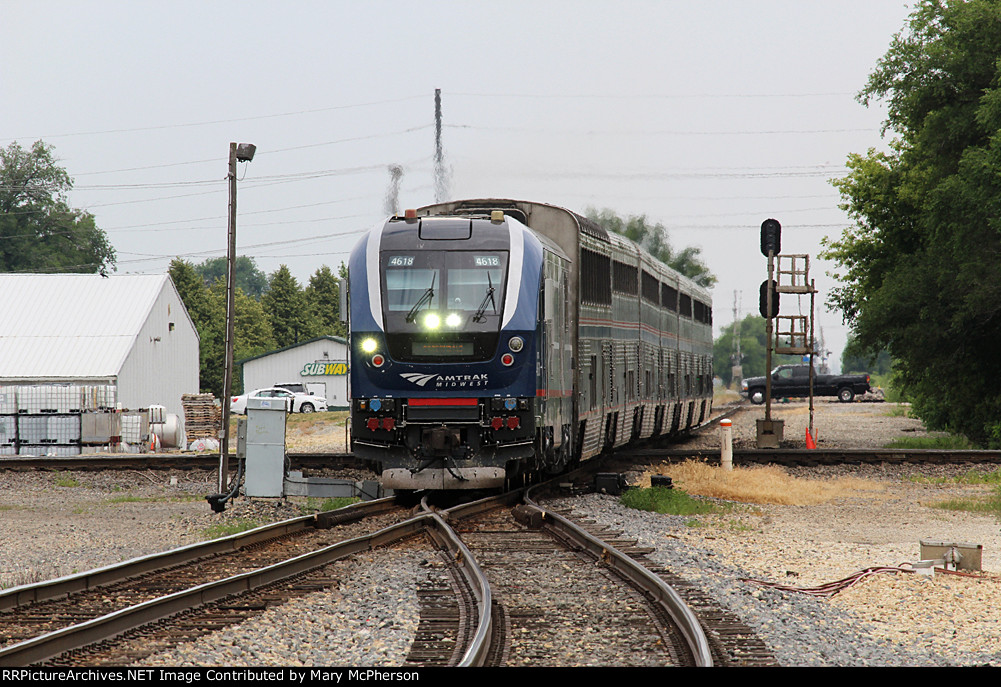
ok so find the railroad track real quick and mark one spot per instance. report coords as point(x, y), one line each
point(40, 621)
point(566, 598)
point(119, 615)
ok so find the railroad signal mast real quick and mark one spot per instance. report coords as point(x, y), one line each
point(785, 334)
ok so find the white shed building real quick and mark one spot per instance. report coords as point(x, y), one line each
point(130, 332)
point(321, 364)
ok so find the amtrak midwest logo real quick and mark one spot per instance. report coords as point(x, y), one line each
point(437, 381)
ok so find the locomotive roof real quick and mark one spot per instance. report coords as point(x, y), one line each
point(447, 233)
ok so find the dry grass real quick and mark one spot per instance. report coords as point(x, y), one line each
point(766, 484)
point(316, 432)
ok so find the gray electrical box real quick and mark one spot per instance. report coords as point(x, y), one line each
point(265, 446)
point(958, 555)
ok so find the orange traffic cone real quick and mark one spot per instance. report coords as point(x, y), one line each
point(810, 443)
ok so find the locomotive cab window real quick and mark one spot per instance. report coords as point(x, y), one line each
point(443, 303)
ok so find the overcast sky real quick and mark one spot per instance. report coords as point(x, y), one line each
point(708, 117)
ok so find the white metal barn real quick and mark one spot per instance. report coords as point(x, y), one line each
point(321, 364)
point(129, 332)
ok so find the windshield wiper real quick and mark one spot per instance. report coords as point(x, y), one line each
point(478, 317)
point(425, 298)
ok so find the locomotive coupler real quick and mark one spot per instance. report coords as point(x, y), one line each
point(446, 464)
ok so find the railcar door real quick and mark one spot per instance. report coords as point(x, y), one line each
point(556, 360)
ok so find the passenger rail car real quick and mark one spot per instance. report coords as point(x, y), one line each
point(494, 338)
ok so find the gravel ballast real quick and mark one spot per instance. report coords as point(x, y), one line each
point(58, 523)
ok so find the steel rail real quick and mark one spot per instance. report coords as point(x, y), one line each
point(628, 568)
point(55, 643)
point(661, 592)
point(52, 644)
point(62, 586)
point(479, 647)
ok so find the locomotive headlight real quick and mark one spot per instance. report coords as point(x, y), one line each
point(432, 321)
point(453, 320)
point(516, 343)
point(369, 345)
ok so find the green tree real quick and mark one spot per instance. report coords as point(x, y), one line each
point(855, 359)
point(207, 307)
point(654, 240)
point(249, 277)
point(251, 335)
point(918, 267)
point(753, 350)
point(323, 294)
point(285, 304)
point(39, 232)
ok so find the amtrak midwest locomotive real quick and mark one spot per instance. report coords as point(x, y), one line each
point(492, 339)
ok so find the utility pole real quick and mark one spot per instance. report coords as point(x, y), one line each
point(243, 152)
point(736, 369)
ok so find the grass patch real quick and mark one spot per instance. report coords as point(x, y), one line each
point(669, 501)
point(225, 529)
point(765, 484)
point(991, 505)
point(898, 410)
point(723, 396)
point(305, 420)
point(154, 499)
point(67, 481)
point(971, 477)
point(946, 442)
point(314, 505)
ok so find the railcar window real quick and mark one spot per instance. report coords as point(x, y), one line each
point(624, 278)
point(650, 287)
point(686, 305)
point(596, 278)
point(700, 311)
point(669, 297)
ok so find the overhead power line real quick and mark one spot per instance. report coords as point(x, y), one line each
point(215, 160)
point(651, 96)
point(219, 121)
point(657, 132)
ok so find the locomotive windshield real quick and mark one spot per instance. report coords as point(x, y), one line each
point(443, 303)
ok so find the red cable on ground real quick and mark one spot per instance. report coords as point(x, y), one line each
point(831, 588)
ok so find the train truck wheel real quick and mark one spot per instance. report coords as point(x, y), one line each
point(846, 395)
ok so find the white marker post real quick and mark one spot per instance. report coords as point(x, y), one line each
point(726, 444)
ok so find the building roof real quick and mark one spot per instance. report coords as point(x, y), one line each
point(75, 326)
point(324, 337)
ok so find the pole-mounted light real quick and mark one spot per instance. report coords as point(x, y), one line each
point(243, 152)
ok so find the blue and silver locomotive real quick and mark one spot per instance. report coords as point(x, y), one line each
point(491, 339)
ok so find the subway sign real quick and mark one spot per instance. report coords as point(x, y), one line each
point(324, 369)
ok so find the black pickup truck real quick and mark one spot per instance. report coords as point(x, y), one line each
point(791, 381)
